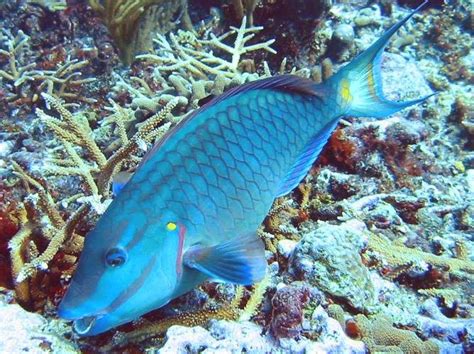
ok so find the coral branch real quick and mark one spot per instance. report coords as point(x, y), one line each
point(75, 132)
point(60, 237)
point(147, 132)
point(173, 56)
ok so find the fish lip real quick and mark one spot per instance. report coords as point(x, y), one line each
point(83, 325)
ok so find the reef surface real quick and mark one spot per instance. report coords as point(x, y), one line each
point(373, 251)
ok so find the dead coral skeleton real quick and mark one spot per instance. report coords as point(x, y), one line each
point(62, 82)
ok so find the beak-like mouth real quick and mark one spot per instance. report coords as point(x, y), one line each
point(83, 325)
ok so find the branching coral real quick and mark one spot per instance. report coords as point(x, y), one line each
point(21, 71)
point(193, 68)
point(123, 18)
point(87, 161)
point(40, 208)
point(16, 73)
point(173, 56)
point(245, 8)
point(73, 130)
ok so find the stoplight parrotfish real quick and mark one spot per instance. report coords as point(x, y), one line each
point(191, 210)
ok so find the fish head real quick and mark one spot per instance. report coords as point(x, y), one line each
point(128, 267)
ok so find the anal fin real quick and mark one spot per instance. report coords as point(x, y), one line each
point(304, 162)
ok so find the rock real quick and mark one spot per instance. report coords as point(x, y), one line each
point(332, 338)
point(367, 17)
point(285, 247)
point(222, 337)
point(329, 258)
point(341, 41)
point(402, 79)
point(22, 331)
point(181, 339)
point(470, 180)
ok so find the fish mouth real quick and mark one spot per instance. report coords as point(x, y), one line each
point(83, 325)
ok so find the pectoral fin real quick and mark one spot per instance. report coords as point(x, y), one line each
point(119, 181)
point(240, 260)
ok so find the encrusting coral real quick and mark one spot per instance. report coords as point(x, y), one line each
point(380, 335)
point(400, 256)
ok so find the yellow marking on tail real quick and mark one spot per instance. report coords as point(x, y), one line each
point(346, 91)
point(371, 82)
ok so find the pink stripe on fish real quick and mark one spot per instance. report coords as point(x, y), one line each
point(179, 258)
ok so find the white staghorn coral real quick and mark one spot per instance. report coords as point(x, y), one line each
point(173, 56)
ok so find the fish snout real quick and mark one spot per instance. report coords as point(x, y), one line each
point(83, 324)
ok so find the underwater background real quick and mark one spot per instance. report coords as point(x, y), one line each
point(372, 252)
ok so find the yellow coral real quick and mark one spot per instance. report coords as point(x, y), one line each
point(402, 256)
point(379, 334)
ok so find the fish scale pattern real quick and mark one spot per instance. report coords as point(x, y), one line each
point(220, 172)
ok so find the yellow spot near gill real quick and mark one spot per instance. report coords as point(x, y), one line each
point(171, 226)
point(346, 91)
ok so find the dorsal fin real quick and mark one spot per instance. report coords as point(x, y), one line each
point(291, 83)
point(306, 159)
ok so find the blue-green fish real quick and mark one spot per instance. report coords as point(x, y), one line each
point(191, 210)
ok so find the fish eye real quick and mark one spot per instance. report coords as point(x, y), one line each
point(115, 257)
